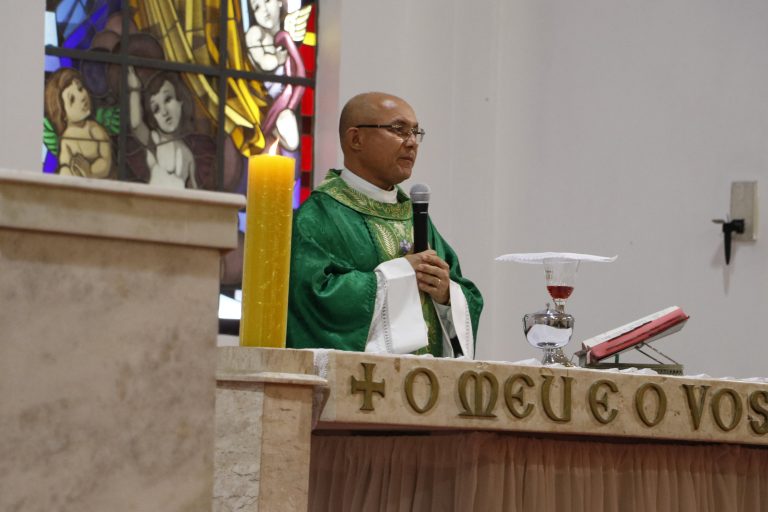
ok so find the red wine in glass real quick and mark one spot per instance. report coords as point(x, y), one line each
point(559, 291)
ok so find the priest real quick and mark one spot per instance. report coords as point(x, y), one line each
point(356, 283)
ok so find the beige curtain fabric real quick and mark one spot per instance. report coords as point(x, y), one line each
point(491, 472)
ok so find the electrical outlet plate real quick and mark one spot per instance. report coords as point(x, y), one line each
point(744, 206)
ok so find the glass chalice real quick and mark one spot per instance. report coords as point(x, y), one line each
point(560, 274)
point(551, 329)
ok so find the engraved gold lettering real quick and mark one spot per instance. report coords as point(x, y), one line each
point(515, 399)
point(434, 389)
point(695, 406)
point(602, 401)
point(546, 399)
point(754, 403)
point(661, 408)
point(367, 386)
point(479, 400)
point(736, 409)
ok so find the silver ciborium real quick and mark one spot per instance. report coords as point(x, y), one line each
point(551, 329)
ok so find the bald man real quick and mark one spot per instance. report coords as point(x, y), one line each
point(355, 282)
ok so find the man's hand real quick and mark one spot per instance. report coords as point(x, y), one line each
point(432, 275)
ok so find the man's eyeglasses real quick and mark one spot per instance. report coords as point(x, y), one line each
point(400, 130)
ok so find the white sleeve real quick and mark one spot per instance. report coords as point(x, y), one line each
point(397, 325)
point(456, 321)
point(446, 319)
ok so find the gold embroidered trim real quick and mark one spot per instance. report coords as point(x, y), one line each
point(337, 188)
point(390, 236)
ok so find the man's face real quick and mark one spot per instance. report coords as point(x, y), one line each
point(386, 156)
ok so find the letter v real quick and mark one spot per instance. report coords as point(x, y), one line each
point(696, 409)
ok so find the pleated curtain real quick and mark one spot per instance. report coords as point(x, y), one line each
point(492, 472)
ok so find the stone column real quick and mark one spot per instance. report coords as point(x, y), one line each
point(264, 417)
point(108, 323)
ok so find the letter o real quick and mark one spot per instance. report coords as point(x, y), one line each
point(434, 389)
point(737, 409)
point(640, 401)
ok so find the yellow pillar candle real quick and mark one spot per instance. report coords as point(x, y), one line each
point(266, 261)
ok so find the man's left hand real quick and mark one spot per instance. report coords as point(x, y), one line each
point(433, 277)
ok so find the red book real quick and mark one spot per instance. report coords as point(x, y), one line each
point(644, 330)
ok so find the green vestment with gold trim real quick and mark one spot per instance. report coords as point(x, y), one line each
point(340, 236)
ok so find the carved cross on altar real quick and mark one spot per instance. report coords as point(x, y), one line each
point(367, 386)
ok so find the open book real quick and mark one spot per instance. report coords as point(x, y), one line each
point(644, 330)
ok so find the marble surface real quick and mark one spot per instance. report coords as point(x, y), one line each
point(238, 448)
point(107, 357)
point(264, 418)
point(263, 435)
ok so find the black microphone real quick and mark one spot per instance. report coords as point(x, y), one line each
point(420, 202)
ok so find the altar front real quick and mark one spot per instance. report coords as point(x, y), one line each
point(401, 433)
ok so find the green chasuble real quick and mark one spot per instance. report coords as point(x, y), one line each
point(340, 236)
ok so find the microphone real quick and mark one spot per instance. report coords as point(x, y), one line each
point(420, 200)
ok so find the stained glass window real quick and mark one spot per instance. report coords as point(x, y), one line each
point(178, 93)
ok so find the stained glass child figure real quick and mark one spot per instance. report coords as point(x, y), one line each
point(272, 48)
point(84, 145)
point(260, 37)
point(158, 121)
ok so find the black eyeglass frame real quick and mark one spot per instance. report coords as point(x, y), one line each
point(398, 129)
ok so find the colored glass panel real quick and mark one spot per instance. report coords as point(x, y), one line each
point(74, 24)
point(272, 33)
point(305, 191)
point(308, 103)
point(306, 152)
point(183, 96)
point(263, 104)
point(308, 57)
point(307, 122)
point(306, 179)
point(171, 139)
point(187, 31)
point(80, 127)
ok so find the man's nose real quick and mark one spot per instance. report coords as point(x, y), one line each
point(410, 141)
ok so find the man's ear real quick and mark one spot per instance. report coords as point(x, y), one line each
point(354, 138)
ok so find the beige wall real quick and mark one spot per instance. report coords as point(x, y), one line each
point(596, 126)
point(21, 90)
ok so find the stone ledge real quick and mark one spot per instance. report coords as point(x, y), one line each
point(244, 360)
point(118, 210)
point(290, 379)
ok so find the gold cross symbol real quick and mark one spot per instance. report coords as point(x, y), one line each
point(367, 386)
